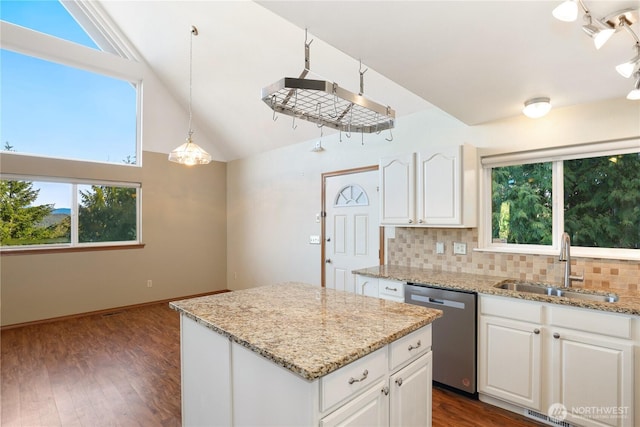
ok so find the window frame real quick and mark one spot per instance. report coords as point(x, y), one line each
point(45, 47)
point(556, 156)
point(74, 244)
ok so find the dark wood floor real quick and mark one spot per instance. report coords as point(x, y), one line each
point(123, 369)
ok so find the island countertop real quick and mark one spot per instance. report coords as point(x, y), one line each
point(309, 330)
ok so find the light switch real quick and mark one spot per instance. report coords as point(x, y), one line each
point(314, 239)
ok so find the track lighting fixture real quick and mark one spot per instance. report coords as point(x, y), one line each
point(634, 95)
point(609, 25)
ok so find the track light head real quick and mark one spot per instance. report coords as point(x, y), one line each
point(634, 95)
point(566, 11)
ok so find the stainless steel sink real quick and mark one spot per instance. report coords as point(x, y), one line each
point(531, 288)
point(588, 296)
point(545, 289)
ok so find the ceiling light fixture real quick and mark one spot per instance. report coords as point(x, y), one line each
point(566, 11)
point(626, 69)
point(634, 95)
point(327, 104)
point(190, 153)
point(536, 107)
point(616, 21)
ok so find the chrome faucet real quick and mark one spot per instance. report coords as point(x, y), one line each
point(565, 255)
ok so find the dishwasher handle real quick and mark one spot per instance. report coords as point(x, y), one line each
point(442, 302)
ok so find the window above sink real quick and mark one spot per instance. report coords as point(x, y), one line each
point(591, 191)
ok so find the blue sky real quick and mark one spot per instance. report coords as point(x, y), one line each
point(54, 110)
point(59, 111)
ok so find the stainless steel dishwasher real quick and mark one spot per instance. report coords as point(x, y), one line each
point(454, 335)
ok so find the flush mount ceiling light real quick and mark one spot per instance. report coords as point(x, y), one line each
point(634, 95)
point(190, 153)
point(326, 104)
point(536, 107)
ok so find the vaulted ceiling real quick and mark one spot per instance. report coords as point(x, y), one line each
point(478, 61)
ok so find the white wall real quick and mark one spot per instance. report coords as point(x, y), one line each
point(272, 198)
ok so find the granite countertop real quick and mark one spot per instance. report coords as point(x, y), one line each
point(628, 303)
point(309, 330)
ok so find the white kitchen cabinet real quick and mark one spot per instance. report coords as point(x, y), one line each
point(431, 188)
point(366, 285)
point(592, 373)
point(369, 409)
point(534, 355)
point(224, 383)
point(410, 393)
point(391, 289)
point(397, 190)
point(510, 359)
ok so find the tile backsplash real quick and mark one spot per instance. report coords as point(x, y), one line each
point(416, 247)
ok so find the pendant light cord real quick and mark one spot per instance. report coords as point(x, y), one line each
point(194, 32)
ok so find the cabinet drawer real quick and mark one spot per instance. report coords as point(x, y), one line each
point(511, 308)
point(352, 378)
point(391, 288)
point(409, 347)
point(593, 321)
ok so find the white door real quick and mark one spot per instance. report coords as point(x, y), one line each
point(352, 227)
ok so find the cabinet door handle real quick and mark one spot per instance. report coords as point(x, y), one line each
point(412, 347)
point(536, 331)
point(385, 390)
point(391, 289)
point(399, 382)
point(365, 373)
point(410, 221)
point(556, 335)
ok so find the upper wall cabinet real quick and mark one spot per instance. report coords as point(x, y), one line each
point(432, 188)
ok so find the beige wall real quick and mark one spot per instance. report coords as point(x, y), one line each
point(184, 232)
point(273, 197)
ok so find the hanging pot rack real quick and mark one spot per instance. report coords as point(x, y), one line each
point(326, 103)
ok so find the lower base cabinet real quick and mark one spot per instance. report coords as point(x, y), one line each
point(571, 364)
point(226, 384)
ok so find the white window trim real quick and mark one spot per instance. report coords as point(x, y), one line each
point(598, 149)
point(74, 182)
point(49, 48)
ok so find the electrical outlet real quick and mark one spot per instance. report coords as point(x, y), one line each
point(314, 240)
point(459, 248)
point(440, 248)
point(149, 283)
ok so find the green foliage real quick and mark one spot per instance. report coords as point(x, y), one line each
point(521, 204)
point(107, 214)
point(602, 201)
point(21, 223)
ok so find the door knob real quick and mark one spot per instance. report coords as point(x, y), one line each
point(328, 239)
point(328, 261)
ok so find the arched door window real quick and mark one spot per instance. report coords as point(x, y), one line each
point(351, 195)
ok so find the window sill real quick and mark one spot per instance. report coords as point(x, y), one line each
point(40, 251)
point(576, 252)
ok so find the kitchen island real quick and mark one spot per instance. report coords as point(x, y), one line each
point(296, 354)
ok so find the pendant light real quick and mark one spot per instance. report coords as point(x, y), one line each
point(190, 153)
